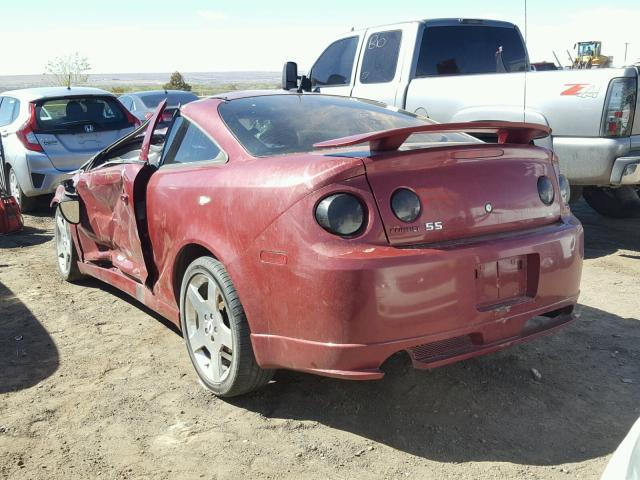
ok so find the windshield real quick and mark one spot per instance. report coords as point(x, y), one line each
point(152, 100)
point(280, 124)
point(70, 114)
point(587, 48)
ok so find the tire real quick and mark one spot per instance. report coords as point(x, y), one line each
point(26, 203)
point(576, 194)
point(216, 332)
point(621, 202)
point(66, 255)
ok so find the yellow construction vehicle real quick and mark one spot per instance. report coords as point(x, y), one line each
point(589, 55)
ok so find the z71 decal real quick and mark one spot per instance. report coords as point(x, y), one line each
point(582, 90)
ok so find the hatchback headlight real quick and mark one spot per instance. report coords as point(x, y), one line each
point(341, 214)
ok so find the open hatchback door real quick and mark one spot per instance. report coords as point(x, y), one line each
point(112, 230)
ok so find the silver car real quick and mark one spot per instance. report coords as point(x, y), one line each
point(47, 133)
point(143, 104)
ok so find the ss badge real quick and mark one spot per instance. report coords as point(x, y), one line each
point(431, 226)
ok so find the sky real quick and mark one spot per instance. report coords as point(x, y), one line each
point(201, 36)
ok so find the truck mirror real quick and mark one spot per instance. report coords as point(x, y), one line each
point(305, 83)
point(290, 76)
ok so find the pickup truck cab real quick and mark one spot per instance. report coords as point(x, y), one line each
point(460, 70)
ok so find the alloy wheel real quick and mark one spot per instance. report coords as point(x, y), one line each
point(208, 330)
point(63, 243)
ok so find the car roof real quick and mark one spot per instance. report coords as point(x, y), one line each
point(145, 93)
point(31, 94)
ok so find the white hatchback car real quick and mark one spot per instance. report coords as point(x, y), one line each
point(47, 133)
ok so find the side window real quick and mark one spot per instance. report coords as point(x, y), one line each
point(470, 49)
point(186, 143)
point(380, 57)
point(335, 65)
point(8, 110)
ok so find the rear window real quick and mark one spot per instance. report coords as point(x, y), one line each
point(281, 124)
point(173, 99)
point(80, 113)
point(470, 49)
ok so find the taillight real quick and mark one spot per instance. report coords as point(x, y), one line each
point(341, 214)
point(565, 189)
point(26, 133)
point(545, 190)
point(617, 120)
point(405, 205)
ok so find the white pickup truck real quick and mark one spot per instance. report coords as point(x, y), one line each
point(454, 70)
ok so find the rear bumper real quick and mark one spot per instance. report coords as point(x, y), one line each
point(626, 170)
point(598, 161)
point(40, 177)
point(362, 362)
point(353, 313)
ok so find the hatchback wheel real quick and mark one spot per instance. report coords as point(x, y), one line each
point(216, 331)
point(65, 249)
point(26, 203)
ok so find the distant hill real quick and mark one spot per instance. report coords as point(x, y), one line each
point(127, 81)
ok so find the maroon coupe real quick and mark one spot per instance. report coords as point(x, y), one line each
point(324, 234)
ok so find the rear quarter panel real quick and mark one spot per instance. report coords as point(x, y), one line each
point(572, 100)
point(224, 207)
point(569, 101)
point(443, 98)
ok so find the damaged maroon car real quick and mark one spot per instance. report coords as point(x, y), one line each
point(325, 234)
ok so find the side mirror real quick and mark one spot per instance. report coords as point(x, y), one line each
point(290, 76)
point(305, 83)
point(70, 210)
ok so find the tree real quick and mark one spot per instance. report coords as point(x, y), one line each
point(68, 70)
point(176, 82)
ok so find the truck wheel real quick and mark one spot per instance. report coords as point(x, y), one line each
point(576, 194)
point(216, 331)
point(26, 204)
point(622, 202)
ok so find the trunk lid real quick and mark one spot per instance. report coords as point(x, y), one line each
point(465, 191)
point(68, 151)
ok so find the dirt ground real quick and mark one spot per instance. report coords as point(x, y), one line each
point(93, 385)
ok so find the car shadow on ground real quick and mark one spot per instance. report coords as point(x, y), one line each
point(604, 235)
point(581, 408)
point(28, 354)
point(90, 282)
point(27, 237)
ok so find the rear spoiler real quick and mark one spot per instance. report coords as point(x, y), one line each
point(388, 140)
